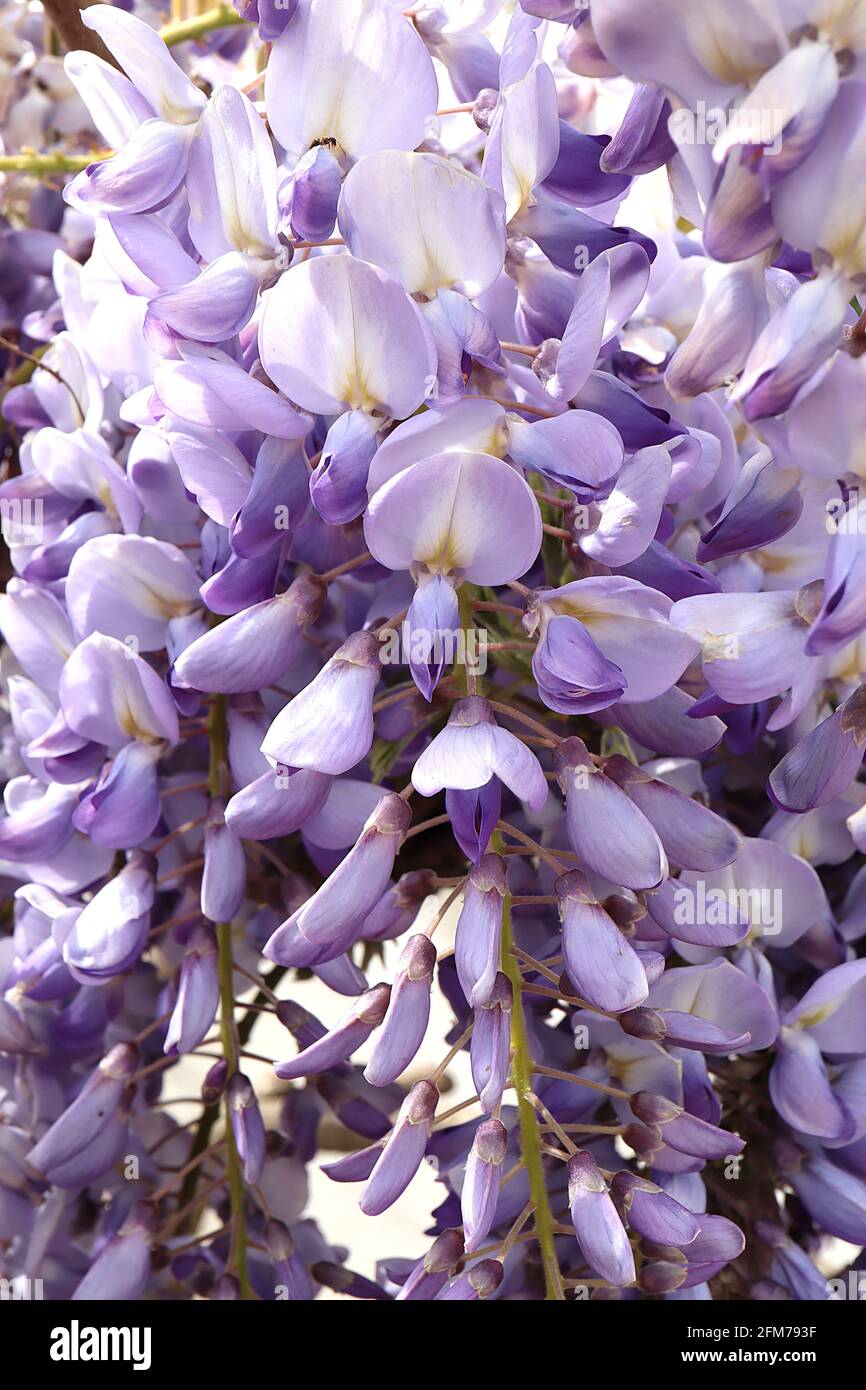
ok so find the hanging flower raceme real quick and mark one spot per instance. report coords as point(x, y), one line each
point(433, 652)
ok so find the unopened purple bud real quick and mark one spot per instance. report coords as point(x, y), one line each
point(490, 1048)
point(660, 1277)
point(215, 1082)
point(480, 1193)
point(90, 1113)
point(474, 815)
point(403, 1151)
point(683, 1131)
point(651, 1212)
point(121, 1269)
point(346, 1281)
point(197, 993)
point(345, 1038)
point(355, 886)
point(479, 927)
point(310, 196)
point(355, 1167)
point(290, 1271)
point(433, 1271)
point(224, 875)
point(597, 1225)
point(643, 1023)
point(405, 1023)
point(248, 1126)
point(304, 1027)
point(481, 1281)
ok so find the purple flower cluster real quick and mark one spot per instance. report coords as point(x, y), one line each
point(436, 567)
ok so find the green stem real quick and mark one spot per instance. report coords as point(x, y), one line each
point(228, 1032)
point(32, 163)
point(218, 730)
point(530, 1137)
point(180, 30)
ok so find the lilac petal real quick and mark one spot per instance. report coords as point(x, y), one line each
point(832, 1009)
point(665, 725)
point(359, 880)
point(642, 142)
point(480, 1193)
point(473, 816)
point(478, 1282)
point(430, 1275)
point(491, 1044)
point(147, 61)
point(753, 644)
point(339, 64)
point(693, 836)
point(277, 803)
point(833, 1197)
point(329, 724)
point(687, 913)
point(130, 586)
point(689, 1031)
point(40, 825)
point(121, 1269)
point(577, 176)
point(405, 1023)
point(338, 485)
point(630, 514)
point(197, 994)
point(823, 764)
point(110, 932)
point(471, 749)
point(843, 614)
point(478, 929)
point(426, 221)
point(631, 624)
point(449, 513)
point(764, 505)
point(207, 387)
point(254, 648)
point(355, 1167)
point(607, 831)
point(342, 1040)
point(431, 627)
point(224, 876)
point(216, 304)
point(325, 335)
point(403, 1151)
point(89, 1113)
point(721, 994)
point(146, 172)
point(577, 450)
point(309, 197)
point(795, 342)
point(600, 1233)
point(800, 1089)
point(109, 694)
point(36, 627)
point(232, 182)
point(277, 500)
point(601, 964)
point(248, 1126)
point(123, 806)
point(651, 1212)
point(573, 676)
